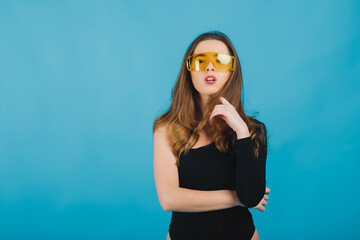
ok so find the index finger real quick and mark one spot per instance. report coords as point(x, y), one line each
point(224, 101)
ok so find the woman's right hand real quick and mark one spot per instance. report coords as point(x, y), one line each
point(263, 201)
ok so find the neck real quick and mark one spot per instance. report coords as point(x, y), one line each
point(204, 99)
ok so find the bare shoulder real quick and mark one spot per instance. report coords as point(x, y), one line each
point(161, 137)
point(162, 130)
point(162, 148)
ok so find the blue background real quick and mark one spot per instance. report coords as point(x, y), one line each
point(81, 83)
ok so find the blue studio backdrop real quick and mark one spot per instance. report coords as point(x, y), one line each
point(81, 83)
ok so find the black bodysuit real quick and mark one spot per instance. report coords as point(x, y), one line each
point(206, 168)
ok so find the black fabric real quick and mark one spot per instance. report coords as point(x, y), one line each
point(206, 168)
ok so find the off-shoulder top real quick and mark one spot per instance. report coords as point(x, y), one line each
point(206, 168)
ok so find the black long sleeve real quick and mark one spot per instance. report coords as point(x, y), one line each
point(250, 171)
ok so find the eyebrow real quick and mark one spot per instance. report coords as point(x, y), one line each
point(201, 54)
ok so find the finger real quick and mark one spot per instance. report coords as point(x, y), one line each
point(224, 101)
point(224, 108)
point(218, 109)
point(266, 197)
point(221, 106)
point(217, 112)
point(267, 190)
point(220, 116)
point(264, 203)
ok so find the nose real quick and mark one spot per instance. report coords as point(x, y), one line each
point(210, 67)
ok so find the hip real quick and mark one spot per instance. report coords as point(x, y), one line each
point(255, 236)
point(231, 223)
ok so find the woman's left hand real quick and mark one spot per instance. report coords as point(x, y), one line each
point(228, 113)
point(263, 201)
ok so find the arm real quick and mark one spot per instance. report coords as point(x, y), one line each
point(189, 200)
point(174, 198)
point(250, 171)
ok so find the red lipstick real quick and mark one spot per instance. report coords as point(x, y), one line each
point(210, 79)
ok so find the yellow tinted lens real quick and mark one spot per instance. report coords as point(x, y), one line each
point(224, 58)
point(221, 61)
point(200, 63)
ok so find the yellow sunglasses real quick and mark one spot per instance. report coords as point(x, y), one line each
point(221, 61)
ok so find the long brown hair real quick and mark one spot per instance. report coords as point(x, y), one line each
point(186, 119)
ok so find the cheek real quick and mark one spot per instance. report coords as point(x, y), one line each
point(225, 77)
point(196, 77)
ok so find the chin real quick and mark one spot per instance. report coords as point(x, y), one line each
point(209, 92)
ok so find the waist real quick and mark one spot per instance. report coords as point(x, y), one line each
point(215, 223)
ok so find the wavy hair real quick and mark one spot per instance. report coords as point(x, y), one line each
point(185, 118)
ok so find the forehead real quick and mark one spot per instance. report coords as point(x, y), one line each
point(211, 46)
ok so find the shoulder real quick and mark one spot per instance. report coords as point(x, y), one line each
point(161, 129)
point(258, 122)
point(262, 130)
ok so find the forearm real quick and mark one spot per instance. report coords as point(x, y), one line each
point(250, 172)
point(189, 200)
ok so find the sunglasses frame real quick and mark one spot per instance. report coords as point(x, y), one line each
point(194, 55)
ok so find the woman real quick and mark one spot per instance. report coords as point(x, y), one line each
point(209, 156)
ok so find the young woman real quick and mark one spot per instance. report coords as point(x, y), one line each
point(209, 156)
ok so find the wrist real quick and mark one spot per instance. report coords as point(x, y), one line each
point(242, 134)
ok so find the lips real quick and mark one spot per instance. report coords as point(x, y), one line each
point(210, 78)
